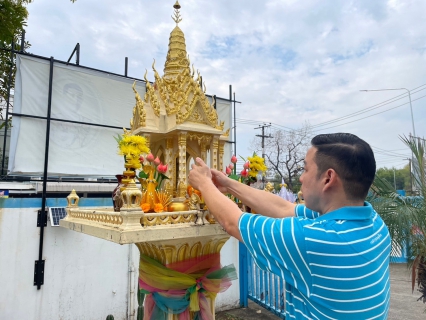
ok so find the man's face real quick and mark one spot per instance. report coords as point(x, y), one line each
point(311, 184)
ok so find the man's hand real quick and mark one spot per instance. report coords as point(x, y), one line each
point(199, 175)
point(220, 180)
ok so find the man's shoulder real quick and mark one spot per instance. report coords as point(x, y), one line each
point(301, 211)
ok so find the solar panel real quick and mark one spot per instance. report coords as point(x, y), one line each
point(56, 214)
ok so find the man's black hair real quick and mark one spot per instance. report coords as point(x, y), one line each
point(351, 158)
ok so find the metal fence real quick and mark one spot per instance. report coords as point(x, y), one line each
point(262, 287)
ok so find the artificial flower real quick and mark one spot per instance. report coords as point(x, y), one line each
point(158, 207)
point(246, 165)
point(244, 173)
point(133, 162)
point(157, 161)
point(150, 157)
point(231, 166)
point(145, 207)
point(234, 159)
point(162, 168)
point(132, 145)
point(228, 170)
point(256, 165)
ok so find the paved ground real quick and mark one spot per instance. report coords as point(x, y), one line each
point(403, 306)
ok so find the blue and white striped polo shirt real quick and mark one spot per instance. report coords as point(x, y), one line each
point(335, 266)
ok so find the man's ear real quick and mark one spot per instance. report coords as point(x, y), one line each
point(329, 179)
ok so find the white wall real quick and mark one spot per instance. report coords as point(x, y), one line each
point(85, 277)
point(229, 299)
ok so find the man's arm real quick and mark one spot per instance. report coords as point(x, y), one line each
point(262, 202)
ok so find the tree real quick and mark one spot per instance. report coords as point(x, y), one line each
point(13, 16)
point(405, 217)
point(399, 178)
point(285, 152)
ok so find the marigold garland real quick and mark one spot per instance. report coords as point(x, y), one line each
point(145, 207)
point(158, 207)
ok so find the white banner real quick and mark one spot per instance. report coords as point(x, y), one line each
point(224, 112)
point(78, 94)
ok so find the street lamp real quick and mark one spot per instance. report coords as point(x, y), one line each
point(409, 96)
point(412, 121)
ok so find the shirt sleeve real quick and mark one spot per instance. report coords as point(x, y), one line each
point(303, 212)
point(278, 245)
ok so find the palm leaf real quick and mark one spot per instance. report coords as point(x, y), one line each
point(406, 216)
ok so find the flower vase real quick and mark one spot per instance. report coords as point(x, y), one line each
point(117, 202)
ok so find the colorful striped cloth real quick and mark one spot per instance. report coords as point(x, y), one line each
point(183, 287)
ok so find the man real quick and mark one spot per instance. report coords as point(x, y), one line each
point(332, 252)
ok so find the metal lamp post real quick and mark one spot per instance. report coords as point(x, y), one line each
point(409, 96)
point(412, 119)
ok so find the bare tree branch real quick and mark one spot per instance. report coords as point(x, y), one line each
point(285, 152)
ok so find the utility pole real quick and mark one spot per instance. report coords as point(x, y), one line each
point(263, 136)
point(411, 178)
point(394, 180)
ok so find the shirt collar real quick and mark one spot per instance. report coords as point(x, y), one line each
point(350, 213)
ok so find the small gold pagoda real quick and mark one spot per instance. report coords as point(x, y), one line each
point(177, 118)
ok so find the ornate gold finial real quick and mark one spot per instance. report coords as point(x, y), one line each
point(177, 17)
point(72, 199)
point(176, 60)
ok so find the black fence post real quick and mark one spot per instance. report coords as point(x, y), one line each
point(39, 264)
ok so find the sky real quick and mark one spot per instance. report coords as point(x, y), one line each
point(289, 62)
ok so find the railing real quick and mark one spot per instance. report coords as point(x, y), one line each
point(265, 288)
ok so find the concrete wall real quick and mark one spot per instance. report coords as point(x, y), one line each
point(85, 277)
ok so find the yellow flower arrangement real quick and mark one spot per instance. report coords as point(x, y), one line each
point(251, 168)
point(131, 147)
point(256, 164)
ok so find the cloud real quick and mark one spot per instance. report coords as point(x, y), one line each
point(288, 61)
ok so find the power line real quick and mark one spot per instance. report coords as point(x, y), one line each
point(354, 114)
point(389, 150)
point(390, 154)
point(379, 105)
point(394, 164)
point(368, 116)
point(254, 122)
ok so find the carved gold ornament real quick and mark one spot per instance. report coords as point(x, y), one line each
point(139, 113)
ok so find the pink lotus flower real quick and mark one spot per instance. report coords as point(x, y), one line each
point(157, 161)
point(234, 159)
point(246, 165)
point(162, 168)
point(231, 166)
point(244, 173)
point(228, 170)
point(141, 159)
point(150, 157)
